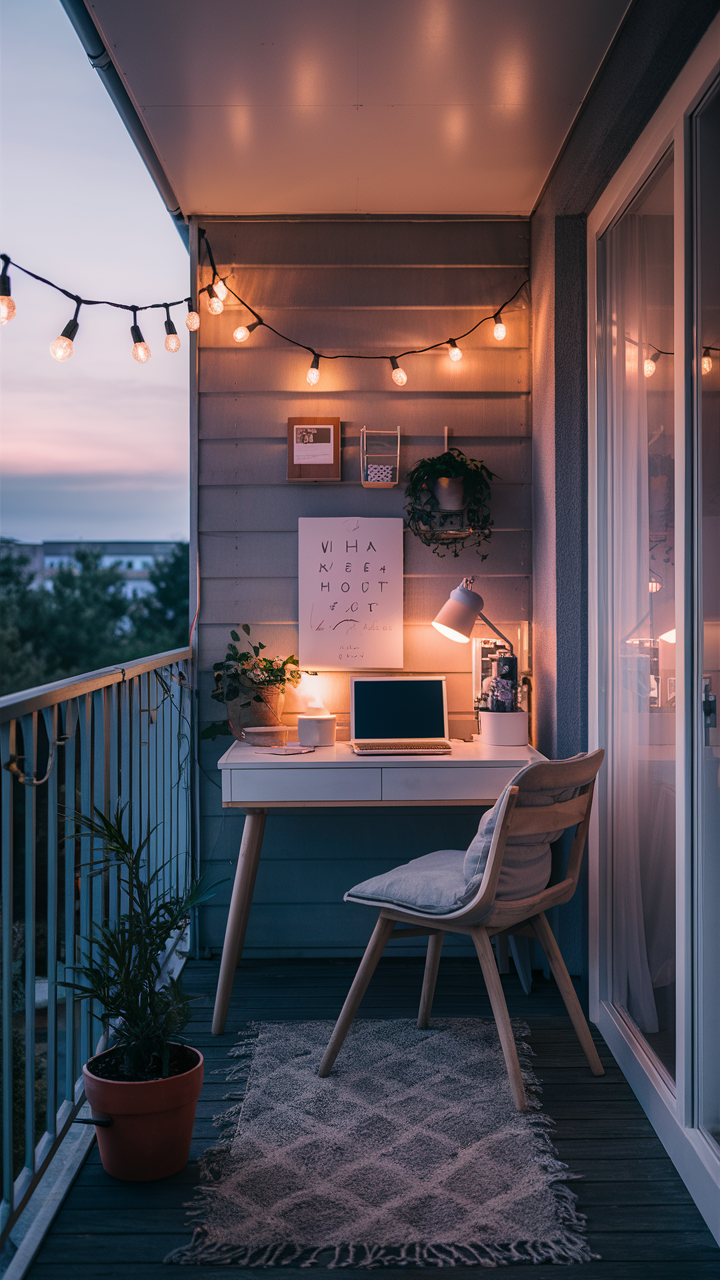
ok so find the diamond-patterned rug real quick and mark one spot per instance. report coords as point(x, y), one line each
point(410, 1153)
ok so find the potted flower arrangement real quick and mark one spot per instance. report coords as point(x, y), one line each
point(143, 1089)
point(251, 686)
point(449, 501)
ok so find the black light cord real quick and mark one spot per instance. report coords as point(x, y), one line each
point(87, 302)
point(412, 351)
point(209, 289)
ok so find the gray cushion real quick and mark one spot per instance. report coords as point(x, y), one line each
point(432, 884)
point(448, 879)
point(527, 860)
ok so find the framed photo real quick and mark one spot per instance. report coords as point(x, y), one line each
point(313, 449)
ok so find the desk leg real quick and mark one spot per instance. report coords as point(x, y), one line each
point(240, 904)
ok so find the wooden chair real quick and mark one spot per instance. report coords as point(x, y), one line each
point(486, 916)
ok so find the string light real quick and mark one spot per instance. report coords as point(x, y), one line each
point(172, 342)
point(706, 361)
point(243, 331)
point(141, 351)
point(214, 304)
point(313, 373)
point(62, 347)
point(654, 585)
point(8, 310)
point(215, 294)
point(399, 375)
point(651, 364)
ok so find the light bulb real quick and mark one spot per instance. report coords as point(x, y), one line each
point(141, 351)
point(241, 334)
point(61, 349)
point(172, 342)
point(192, 320)
point(654, 585)
point(399, 375)
point(7, 309)
point(706, 361)
point(214, 304)
point(313, 373)
point(220, 289)
point(455, 353)
point(499, 331)
point(7, 306)
point(649, 368)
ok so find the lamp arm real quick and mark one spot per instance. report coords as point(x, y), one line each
point(489, 624)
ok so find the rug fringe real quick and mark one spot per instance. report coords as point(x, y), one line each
point(564, 1249)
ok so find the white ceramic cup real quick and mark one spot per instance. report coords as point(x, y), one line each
point(316, 731)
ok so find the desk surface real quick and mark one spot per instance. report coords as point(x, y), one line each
point(464, 755)
point(330, 776)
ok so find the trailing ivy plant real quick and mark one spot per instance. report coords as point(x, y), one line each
point(449, 530)
point(122, 969)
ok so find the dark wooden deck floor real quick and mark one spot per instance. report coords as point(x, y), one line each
point(641, 1219)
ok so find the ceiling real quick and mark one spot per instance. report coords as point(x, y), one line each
point(369, 106)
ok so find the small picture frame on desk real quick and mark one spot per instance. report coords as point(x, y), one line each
point(313, 449)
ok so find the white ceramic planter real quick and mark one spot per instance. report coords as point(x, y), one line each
point(449, 493)
point(504, 728)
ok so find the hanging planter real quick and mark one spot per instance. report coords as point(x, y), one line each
point(448, 505)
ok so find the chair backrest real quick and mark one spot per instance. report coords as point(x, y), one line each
point(537, 816)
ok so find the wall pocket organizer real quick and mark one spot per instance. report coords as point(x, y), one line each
point(379, 458)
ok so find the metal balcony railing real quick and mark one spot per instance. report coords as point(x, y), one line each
point(121, 735)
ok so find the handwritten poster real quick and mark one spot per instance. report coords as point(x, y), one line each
point(350, 581)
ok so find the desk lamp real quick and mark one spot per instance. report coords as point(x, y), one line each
point(457, 617)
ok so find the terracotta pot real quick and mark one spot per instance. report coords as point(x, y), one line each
point(152, 1122)
point(252, 714)
point(449, 492)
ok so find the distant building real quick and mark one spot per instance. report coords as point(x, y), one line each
point(133, 559)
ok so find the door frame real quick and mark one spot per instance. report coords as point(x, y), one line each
point(671, 1107)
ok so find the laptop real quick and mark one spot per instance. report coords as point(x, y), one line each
point(399, 715)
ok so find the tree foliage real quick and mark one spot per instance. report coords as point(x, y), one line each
point(86, 621)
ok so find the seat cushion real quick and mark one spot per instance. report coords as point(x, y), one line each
point(432, 884)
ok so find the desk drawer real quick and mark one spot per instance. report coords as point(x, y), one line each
point(259, 786)
point(445, 783)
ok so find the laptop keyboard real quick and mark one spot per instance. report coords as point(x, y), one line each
point(436, 747)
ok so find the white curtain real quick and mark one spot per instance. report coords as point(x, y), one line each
point(641, 861)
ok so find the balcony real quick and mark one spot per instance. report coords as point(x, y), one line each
point(126, 735)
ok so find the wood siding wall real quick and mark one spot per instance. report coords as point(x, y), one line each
point(339, 285)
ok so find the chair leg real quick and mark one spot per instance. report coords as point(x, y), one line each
point(367, 967)
point(546, 938)
point(432, 964)
point(486, 957)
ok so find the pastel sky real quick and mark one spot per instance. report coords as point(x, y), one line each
point(97, 447)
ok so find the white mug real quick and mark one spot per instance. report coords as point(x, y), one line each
point(316, 731)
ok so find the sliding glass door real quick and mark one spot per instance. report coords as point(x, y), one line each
point(654, 634)
point(707, 664)
point(636, 260)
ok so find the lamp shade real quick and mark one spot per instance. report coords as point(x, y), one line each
point(458, 615)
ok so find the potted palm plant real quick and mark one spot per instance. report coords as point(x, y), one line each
point(144, 1088)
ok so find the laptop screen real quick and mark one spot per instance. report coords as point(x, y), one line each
point(399, 708)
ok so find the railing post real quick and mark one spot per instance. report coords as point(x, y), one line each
point(7, 751)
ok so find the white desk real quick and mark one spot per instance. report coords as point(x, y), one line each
point(333, 777)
